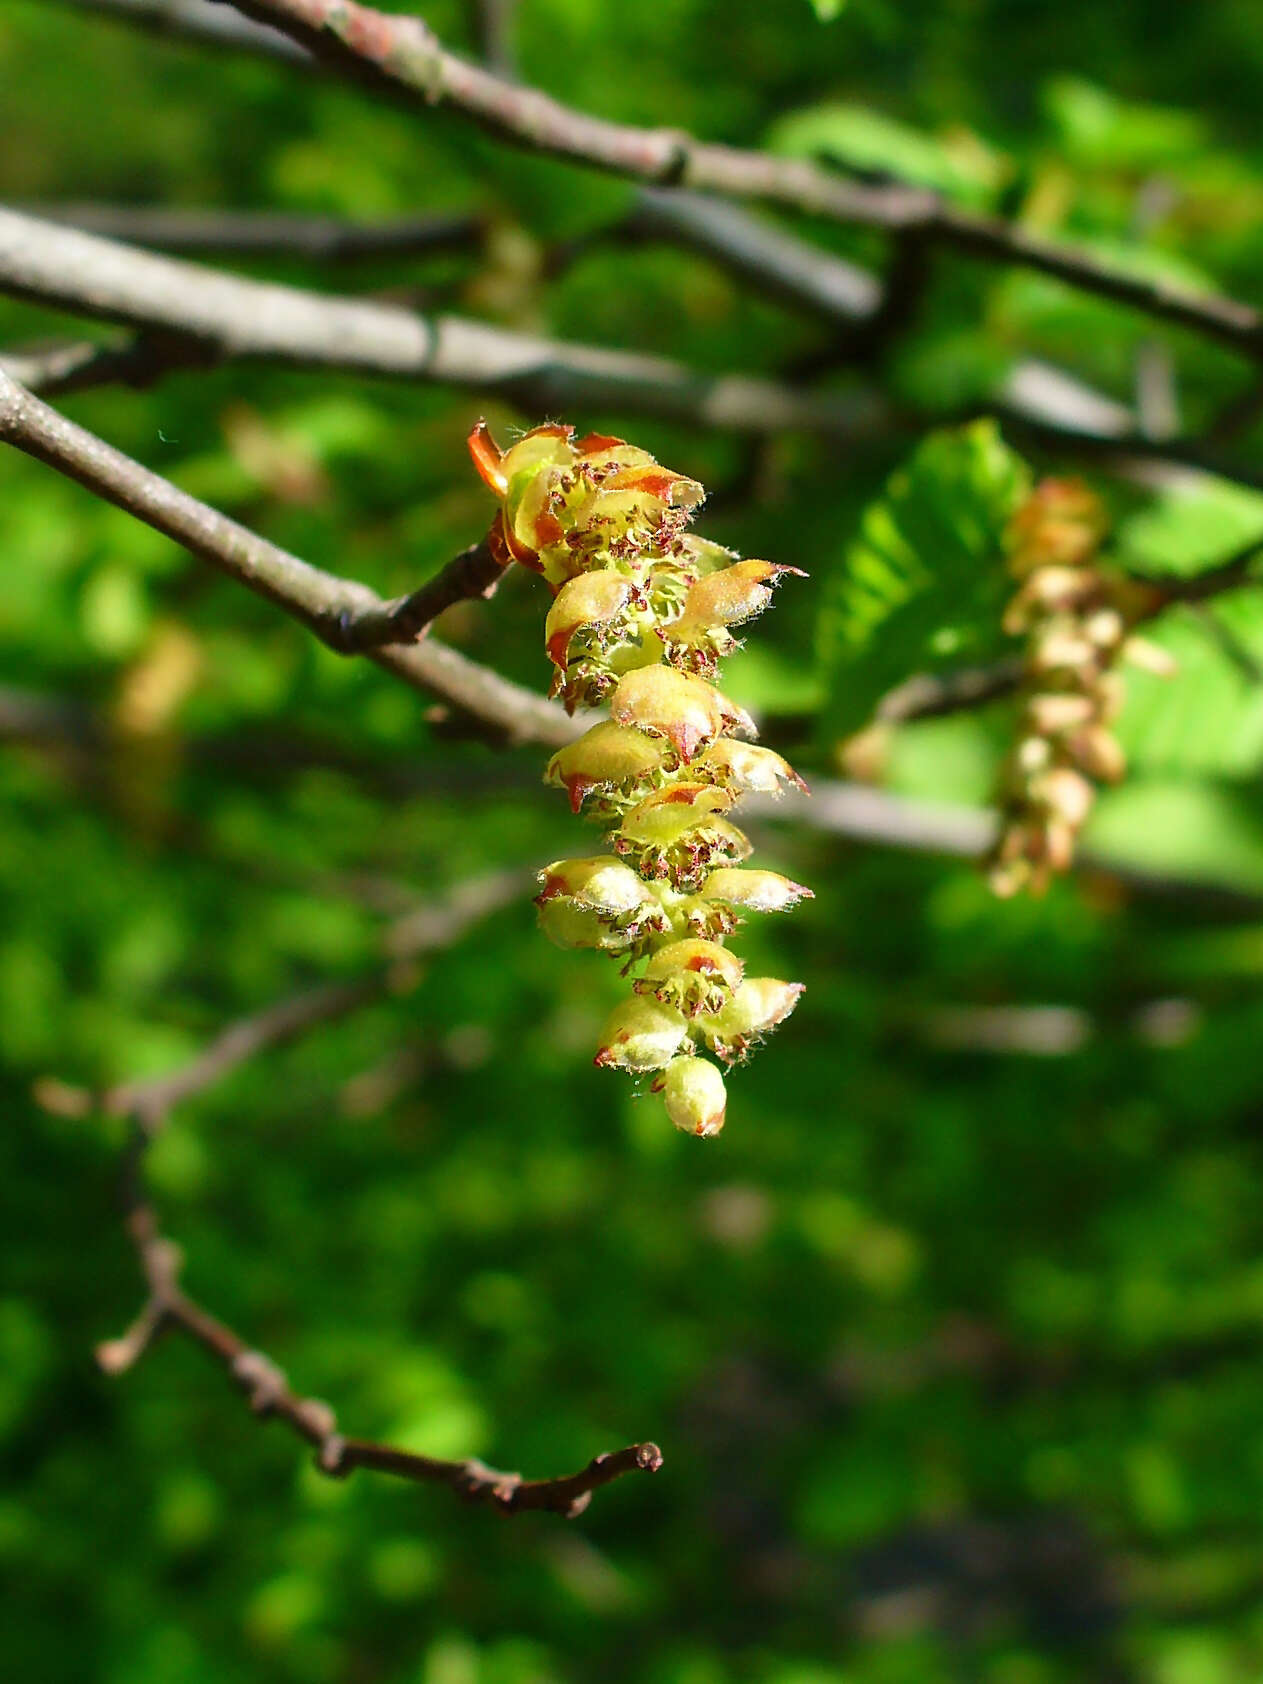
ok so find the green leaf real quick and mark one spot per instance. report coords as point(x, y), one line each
point(1098, 131)
point(827, 10)
point(1208, 718)
point(856, 138)
point(921, 584)
point(1193, 831)
point(1191, 527)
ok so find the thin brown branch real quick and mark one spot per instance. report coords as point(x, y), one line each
point(168, 1307)
point(1235, 570)
point(931, 695)
point(222, 315)
point(228, 233)
point(327, 604)
point(402, 56)
point(777, 262)
point(269, 1394)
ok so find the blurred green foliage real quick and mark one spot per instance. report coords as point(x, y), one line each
point(953, 1341)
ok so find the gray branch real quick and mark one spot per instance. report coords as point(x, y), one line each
point(325, 603)
point(220, 315)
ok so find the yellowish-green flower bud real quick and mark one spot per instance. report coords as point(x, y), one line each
point(693, 976)
point(754, 1009)
point(599, 903)
point(754, 890)
point(693, 1090)
point(685, 709)
point(609, 756)
point(700, 635)
point(642, 612)
point(745, 768)
point(641, 1034)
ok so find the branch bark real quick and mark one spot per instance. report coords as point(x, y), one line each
point(168, 1307)
point(326, 604)
point(206, 315)
point(403, 57)
point(269, 1393)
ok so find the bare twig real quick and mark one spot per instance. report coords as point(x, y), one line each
point(269, 1393)
point(168, 1306)
point(881, 818)
point(74, 365)
point(753, 249)
point(327, 604)
point(929, 695)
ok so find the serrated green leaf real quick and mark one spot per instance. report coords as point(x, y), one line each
point(920, 585)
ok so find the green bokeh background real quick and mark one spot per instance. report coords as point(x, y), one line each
point(956, 1354)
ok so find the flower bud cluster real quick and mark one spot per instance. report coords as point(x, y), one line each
point(1075, 614)
point(643, 611)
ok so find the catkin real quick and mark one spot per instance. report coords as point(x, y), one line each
point(643, 612)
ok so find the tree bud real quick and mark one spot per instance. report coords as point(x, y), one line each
point(693, 1089)
point(753, 890)
point(1066, 793)
point(685, 709)
point(693, 976)
point(606, 757)
point(755, 1008)
point(641, 1034)
point(745, 768)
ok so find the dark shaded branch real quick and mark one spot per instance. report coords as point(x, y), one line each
point(227, 233)
point(474, 572)
point(401, 55)
point(201, 19)
point(493, 32)
point(73, 366)
point(265, 1386)
point(1231, 573)
point(269, 1393)
point(930, 695)
point(221, 315)
point(779, 263)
